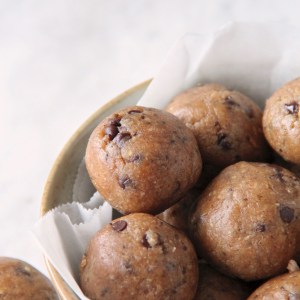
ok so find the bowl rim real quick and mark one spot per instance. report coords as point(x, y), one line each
point(65, 292)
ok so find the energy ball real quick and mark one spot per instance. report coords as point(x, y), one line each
point(226, 123)
point(246, 222)
point(142, 159)
point(281, 122)
point(285, 286)
point(213, 285)
point(178, 214)
point(137, 257)
point(20, 280)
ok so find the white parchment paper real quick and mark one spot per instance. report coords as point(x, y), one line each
point(253, 58)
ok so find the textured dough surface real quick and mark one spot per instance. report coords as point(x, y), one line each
point(213, 285)
point(246, 223)
point(281, 121)
point(226, 123)
point(284, 287)
point(139, 256)
point(20, 280)
point(143, 159)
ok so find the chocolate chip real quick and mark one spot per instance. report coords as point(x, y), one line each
point(229, 101)
point(222, 141)
point(260, 228)
point(286, 214)
point(111, 131)
point(115, 121)
point(145, 242)
point(278, 175)
point(125, 182)
point(135, 158)
point(292, 107)
point(134, 111)
point(119, 225)
point(122, 137)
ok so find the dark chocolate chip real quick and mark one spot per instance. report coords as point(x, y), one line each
point(278, 175)
point(229, 101)
point(292, 107)
point(145, 242)
point(134, 158)
point(286, 214)
point(222, 141)
point(134, 111)
point(111, 131)
point(177, 187)
point(260, 228)
point(119, 225)
point(115, 121)
point(125, 182)
point(122, 137)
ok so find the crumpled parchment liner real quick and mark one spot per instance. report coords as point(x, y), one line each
point(253, 58)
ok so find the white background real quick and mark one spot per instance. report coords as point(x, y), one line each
point(62, 59)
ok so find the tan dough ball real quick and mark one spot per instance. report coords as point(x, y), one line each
point(282, 287)
point(246, 222)
point(213, 285)
point(226, 123)
point(178, 214)
point(137, 257)
point(20, 280)
point(142, 159)
point(281, 122)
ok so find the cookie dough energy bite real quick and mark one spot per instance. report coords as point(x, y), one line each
point(142, 159)
point(139, 257)
point(281, 121)
point(246, 222)
point(226, 124)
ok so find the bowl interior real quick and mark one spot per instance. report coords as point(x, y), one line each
point(59, 186)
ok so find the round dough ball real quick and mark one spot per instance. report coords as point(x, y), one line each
point(139, 256)
point(20, 280)
point(286, 286)
point(142, 159)
point(246, 222)
point(226, 123)
point(214, 285)
point(178, 214)
point(281, 122)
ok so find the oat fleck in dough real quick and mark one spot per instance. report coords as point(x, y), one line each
point(285, 286)
point(139, 257)
point(213, 285)
point(20, 280)
point(142, 159)
point(246, 222)
point(226, 123)
point(281, 121)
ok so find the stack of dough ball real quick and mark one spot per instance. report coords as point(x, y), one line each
point(142, 159)
point(281, 122)
point(226, 123)
point(286, 286)
point(246, 223)
point(216, 286)
point(19, 280)
point(137, 257)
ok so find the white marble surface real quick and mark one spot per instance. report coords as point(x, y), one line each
point(62, 59)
